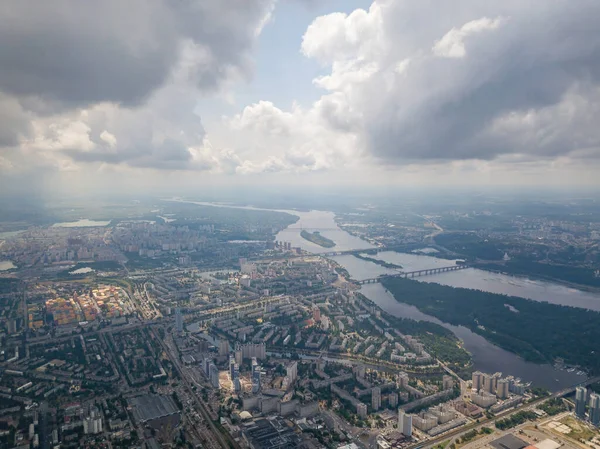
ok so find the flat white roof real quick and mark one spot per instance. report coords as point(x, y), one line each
point(547, 444)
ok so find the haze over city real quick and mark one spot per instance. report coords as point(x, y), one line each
point(299, 224)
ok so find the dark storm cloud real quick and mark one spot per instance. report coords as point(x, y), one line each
point(528, 64)
point(83, 52)
point(131, 71)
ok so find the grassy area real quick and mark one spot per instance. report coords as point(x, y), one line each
point(471, 436)
point(442, 445)
point(579, 430)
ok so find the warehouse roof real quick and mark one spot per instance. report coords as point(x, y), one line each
point(508, 442)
point(148, 407)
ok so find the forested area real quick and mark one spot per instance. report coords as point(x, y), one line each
point(537, 331)
point(565, 273)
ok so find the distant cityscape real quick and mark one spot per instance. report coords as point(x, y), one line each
point(218, 332)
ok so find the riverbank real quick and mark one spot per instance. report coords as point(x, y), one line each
point(501, 269)
point(539, 332)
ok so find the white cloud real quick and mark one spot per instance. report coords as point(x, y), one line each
point(338, 37)
point(452, 45)
point(424, 82)
point(271, 140)
point(109, 138)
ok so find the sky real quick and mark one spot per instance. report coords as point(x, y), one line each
point(147, 95)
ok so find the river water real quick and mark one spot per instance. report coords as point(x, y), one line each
point(81, 223)
point(486, 356)
point(314, 220)
point(472, 278)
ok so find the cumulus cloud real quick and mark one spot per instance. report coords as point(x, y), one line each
point(297, 141)
point(117, 82)
point(432, 81)
point(403, 83)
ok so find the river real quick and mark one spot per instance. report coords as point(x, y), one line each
point(314, 220)
point(81, 223)
point(486, 356)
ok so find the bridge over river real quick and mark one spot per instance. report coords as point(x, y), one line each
point(417, 273)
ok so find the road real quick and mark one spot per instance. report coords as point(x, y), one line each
point(378, 364)
point(463, 383)
point(231, 309)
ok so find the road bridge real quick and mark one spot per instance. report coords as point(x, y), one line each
point(416, 273)
point(290, 229)
point(348, 252)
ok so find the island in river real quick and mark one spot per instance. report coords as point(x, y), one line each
point(380, 262)
point(317, 238)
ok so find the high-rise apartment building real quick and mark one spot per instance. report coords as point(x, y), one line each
point(292, 372)
point(214, 376)
point(477, 380)
point(257, 350)
point(237, 385)
point(178, 321)
point(595, 409)
point(393, 399)
point(376, 398)
point(255, 376)
point(223, 347)
point(361, 410)
point(403, 380)
point(580, 401)
point(404, 423)
point(502, 389)
point(488, 383)
point(447, 382)
point(231, 367)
